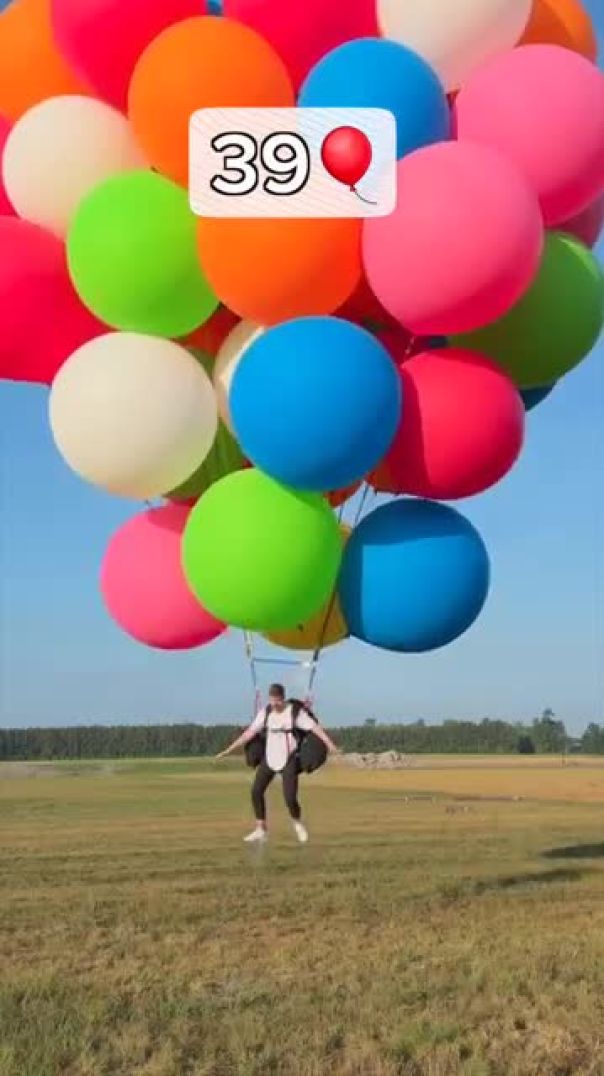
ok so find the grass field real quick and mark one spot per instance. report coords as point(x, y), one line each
point(446, 919)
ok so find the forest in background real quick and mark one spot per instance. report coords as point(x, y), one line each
point(545, 735)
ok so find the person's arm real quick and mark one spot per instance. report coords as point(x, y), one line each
point(245, 737)
point(307, 724)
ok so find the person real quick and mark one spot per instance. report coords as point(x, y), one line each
point(279, 757)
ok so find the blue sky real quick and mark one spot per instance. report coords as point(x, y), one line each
point(538, 643)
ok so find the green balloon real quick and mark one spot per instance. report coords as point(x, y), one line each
point(555, 324)
point(133, 259)
point(259, 555)
point(224, 457)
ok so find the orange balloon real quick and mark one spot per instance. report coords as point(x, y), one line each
point(31, 65)
point(209, 336)
point(561, 22)
point(202, 62)
point(270, 270)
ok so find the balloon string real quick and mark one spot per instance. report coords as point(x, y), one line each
point(317, 652)
point(362, 198)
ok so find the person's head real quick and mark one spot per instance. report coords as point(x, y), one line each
point(276, 696)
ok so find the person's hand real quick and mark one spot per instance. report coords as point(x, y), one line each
point(220, 755)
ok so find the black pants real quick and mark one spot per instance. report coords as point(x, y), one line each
point(262, 780)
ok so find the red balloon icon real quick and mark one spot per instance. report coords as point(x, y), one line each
point(346, 155)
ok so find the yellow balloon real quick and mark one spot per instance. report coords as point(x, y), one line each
point(325, 628)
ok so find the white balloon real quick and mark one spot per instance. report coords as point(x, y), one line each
point(58, 151)
point(454, 36)
point(228, 358)
point(133, 414)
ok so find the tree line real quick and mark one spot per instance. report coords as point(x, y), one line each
point(545, 735)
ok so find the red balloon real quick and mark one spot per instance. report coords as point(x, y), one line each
point(144, 587)
point(462, 425)
point(6, 208)
point(42, 320)
point(346, 154)
point(363, 307)
point(587, 225)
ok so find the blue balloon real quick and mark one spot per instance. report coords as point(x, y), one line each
point(315, 402)
point(415, 575)
point(532, 397)
point(375, 73)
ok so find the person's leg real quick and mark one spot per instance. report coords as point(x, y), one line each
point(262, 780)
point(290, 793)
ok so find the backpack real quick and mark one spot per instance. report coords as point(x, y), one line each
point(310, 750)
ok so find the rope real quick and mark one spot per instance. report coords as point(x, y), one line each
point(314, 662)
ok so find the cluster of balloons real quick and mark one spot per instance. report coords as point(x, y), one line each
point(253, 374)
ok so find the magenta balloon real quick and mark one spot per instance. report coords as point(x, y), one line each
point(42, 320)
point(103, 39)
point(587, 225)
point(5, 206)
point(462, 245)
point(143, 584)
point(302, 31)
point(543, 106)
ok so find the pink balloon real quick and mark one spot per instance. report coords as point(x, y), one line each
point(103, 39)
point(42, 320)
point(302, 31)
point(6, 208)
point(543, 106)
point(143, 584)
point(462, 425)
point(463, 243)
point(587, 225)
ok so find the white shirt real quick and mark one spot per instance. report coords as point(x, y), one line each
point(280, 741)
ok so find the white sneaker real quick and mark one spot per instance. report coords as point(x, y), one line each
point(257, 834)
point(301, 832)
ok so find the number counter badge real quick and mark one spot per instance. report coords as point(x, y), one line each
point(292, 162)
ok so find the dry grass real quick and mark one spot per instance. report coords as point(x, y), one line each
point(423, 932)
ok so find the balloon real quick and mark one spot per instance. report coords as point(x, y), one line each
point(555, 324)
point(132, 257)
point(211, 335)
point(543, 106)
point(373, 73)
point(133, 414)
point(462, 245)
point(533, 397)
point(259, 555)
point(41, 318)
point(224, 457)
point(32, 67)
point(227, 360)
point(561, 22)
point(462, 425)
point(363, 307)
point(200, 63)
point(315, 402)
point(454, 38)
point(58, 151)
point(346, 154)
point(415, 576)
point(6, 208)
point(338, 497)
point(325, 628)
point(143, 584)
point(282, 268)
point(302, 31)
point(587, 225)
point(103, 39)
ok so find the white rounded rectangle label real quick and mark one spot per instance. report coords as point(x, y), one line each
point(292, 162)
